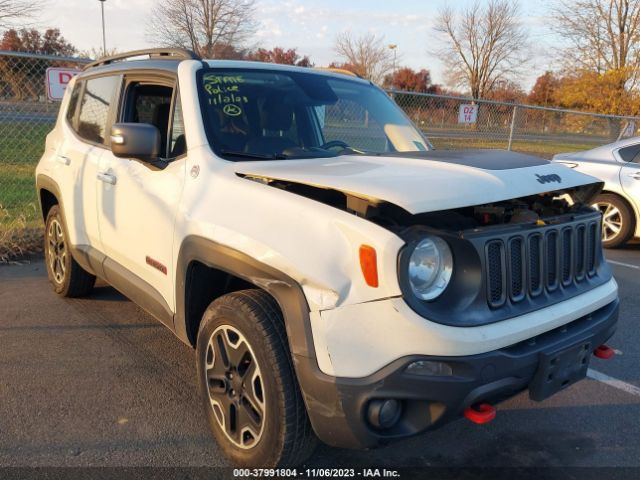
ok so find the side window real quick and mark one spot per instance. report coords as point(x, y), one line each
point(630, 153)
point(94, 108)
point(148, 103)
point(73, 104)
point(178, 143)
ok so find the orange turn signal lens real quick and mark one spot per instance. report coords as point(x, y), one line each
point(369, 265)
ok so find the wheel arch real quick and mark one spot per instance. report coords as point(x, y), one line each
point(203, 262)
point(635, 212)
point(628, 203)
point(48, 194)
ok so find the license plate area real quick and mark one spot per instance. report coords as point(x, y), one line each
point(560, 369)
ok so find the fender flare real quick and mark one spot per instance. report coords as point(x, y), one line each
point(320, 392)
point(285, 290)
point(44, 182)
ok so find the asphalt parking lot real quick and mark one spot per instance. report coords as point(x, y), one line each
point(97, 382)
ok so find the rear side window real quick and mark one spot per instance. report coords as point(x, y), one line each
point(94, 108)
point(630, 153)
point(73, 103)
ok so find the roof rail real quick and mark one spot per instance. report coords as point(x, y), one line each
point(161, 53)
point(342, 71)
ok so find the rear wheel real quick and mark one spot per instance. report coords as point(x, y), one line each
point(65, 275)
point(618, 223)
point(250, 392)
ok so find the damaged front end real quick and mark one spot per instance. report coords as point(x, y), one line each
point(530, 209)
point(509, 257)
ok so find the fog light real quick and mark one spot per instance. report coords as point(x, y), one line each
point(384, 413)
point(429, 368)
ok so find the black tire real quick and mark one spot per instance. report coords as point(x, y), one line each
point(65, 275)
point(621, 218)
point(281, 434)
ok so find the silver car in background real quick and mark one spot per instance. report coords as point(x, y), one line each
point(618, 166)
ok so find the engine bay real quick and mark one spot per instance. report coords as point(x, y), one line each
point(548, 207)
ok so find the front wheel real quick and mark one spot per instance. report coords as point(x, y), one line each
point(618, 223)
point(248, 385)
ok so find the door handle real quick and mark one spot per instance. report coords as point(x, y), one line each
point(635, 175)
point(107, 178)
point(63, 160)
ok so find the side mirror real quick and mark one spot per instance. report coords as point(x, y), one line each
point(140, 141)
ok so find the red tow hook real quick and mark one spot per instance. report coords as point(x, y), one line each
point(604, 352)
point(480, 414)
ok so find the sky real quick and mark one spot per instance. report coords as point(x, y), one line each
point(308, 25)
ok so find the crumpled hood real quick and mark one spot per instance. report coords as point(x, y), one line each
point(428, 181)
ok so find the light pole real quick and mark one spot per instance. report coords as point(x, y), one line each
point(104, 36)
point(394, 48)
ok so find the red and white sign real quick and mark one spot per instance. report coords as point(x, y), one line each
point(57, 80)
point(468, 113)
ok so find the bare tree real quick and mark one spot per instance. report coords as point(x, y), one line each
point(603, 35)
point(11, 10)
point(367, 55)
point(207, 27)
point(482, 45)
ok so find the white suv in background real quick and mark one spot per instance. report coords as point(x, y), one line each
point(337, 278)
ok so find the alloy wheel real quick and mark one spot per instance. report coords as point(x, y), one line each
point(611, 220)
point(235, 386)
point(57, 251)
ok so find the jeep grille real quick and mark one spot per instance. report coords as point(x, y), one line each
point(528, 264)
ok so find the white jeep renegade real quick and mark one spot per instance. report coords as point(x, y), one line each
point(337, 277)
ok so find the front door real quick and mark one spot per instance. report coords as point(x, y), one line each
point(137, 203)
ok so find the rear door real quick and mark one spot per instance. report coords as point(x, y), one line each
point(137, 202)
point(88, 120)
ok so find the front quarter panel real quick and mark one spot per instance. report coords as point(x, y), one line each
point(316, 245)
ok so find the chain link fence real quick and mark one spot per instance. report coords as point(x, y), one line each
point(27, 115)
point(460, 123)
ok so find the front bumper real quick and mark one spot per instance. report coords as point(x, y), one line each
point(337, 406)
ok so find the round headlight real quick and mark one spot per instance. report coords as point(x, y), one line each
point(430, 268)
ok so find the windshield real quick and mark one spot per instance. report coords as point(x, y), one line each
point(261, 114)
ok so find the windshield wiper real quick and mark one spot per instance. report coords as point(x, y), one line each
point(354, 151)
point(259, 156)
